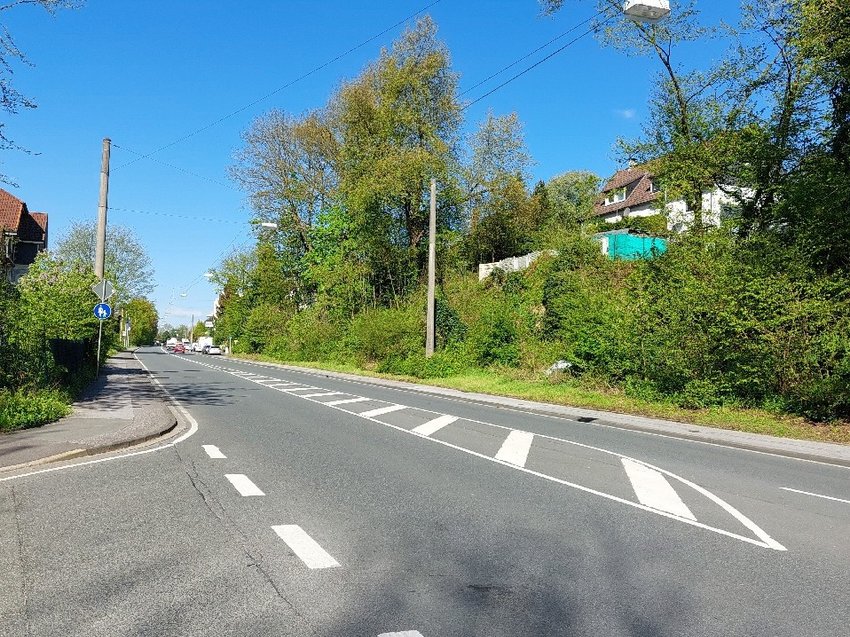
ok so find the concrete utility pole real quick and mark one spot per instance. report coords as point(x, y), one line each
point(432, 275)
point(100, 250)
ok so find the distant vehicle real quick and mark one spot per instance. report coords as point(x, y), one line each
point(179, 348)
point(214, 349)
point(204, 342)
point(170, 343)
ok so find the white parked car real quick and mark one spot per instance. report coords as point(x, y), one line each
point(214, 349)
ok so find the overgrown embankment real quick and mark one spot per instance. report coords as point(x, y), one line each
point(719, 331)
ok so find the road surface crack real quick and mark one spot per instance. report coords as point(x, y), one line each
point(253, 561)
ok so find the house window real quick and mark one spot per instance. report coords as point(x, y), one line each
point(615, 196)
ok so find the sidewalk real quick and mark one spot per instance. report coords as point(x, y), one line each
point(121, 408)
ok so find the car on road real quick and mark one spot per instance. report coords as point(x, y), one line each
point(214, 349)
point(179, 348)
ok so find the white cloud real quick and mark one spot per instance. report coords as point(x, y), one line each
point(626, 113)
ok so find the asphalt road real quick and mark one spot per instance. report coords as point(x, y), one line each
point(296, 504)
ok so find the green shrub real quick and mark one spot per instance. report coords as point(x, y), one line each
point(22, 409)
point(494, 339)
point(378, 334)
point(700, 394)
point(309, 336)
point(442, 364)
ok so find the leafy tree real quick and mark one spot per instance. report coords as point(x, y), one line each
point(502, 218)
point(397, 124)
point(12, 100)
point(571, 197)
point(127, 264)
point(143, 319)
point(288, 168)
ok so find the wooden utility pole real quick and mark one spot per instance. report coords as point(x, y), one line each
point(432, 276)
point(100, 250)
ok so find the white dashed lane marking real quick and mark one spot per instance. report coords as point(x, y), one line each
point(359, 399)
point(433, 426)
point(322, 393)
point(516, 447)
point(653, 490)
point(648, 482)
point(213, 451)
point(305, 547)
point(404, 633)
point(380, 411)
point(243, 484)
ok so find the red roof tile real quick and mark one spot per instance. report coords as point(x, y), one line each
point(10, 211)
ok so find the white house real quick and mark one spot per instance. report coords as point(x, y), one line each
point(632, 193)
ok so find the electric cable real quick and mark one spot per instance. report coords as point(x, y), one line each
point(593, 29)
point(279, 89)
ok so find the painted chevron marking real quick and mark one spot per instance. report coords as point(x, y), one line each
point(653, 490)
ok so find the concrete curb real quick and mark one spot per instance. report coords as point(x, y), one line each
point(827, 452)
point(169, 424)
point(91, 451)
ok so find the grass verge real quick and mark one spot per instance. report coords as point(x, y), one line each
point(573, 394)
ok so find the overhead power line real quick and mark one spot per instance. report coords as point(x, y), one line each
point(529, 54)
point(592, 29)
point(313, 71)
point(176, 215)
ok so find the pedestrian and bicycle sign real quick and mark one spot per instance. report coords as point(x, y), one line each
point(102, 311)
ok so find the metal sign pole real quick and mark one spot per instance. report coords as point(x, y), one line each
point(99, 334)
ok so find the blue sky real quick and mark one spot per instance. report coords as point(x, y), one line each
point(148, 73)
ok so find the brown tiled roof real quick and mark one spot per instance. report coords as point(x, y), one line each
point(10, 211)
point(638, 183)
point(32, 228)
point(40, 219)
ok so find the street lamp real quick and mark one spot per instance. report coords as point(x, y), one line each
point(650, 11)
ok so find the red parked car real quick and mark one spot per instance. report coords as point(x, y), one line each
point(179, 349)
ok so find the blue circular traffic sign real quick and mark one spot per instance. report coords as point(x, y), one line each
point(102, 311)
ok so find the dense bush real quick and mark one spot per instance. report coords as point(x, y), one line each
point(20, 409)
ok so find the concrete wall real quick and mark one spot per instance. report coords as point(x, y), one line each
point(511, 264)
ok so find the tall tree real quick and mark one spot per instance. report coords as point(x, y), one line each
point(127, 264)
point(398, 125)
point(571, 197)
point(288, 168)
point(143, 319)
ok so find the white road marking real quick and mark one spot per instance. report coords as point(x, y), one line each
point(193, 429)
point(243, 484)
point(404, 633)
point(764, 540)
point(815, 495)
point(359, 399)
point(381, 411)
point(323, 393)
point(213, 451)
point(305, 547)
point(516, 447)
point(290, 389)
point(433, 426)
point(653, 490)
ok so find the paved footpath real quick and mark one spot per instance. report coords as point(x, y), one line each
point(121, 408)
